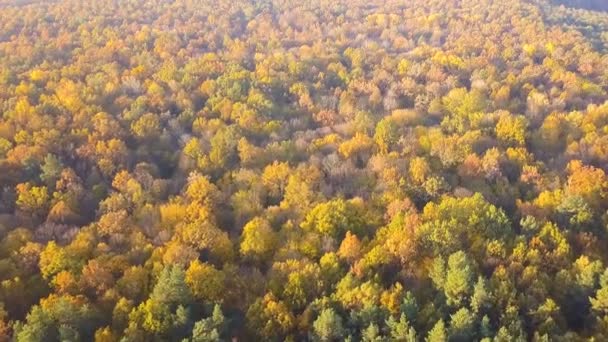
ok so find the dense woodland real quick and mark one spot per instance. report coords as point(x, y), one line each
point(600, 5)
point(287, 170)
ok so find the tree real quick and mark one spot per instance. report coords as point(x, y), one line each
point(588, 182)
point(386, 135)
point(334, 219)
point(59, 318)
point(438, 333)
point(350, 248)
point(269, 318)
point(105, 335)
point(167, 311)
point(209, 329)
point(400, 330)
point(462, 325)
point(275, 178)
point(360, 145)
point(259, 240)
point(146, 127)
point(480, 300)
point(459, 279)
point(419, 170)
point(511, 130)
point(455, 223)
point(201, 190)
point(599, 303)
point(205, 281)
point(328, 326)
point(371, 334)
point(51, 170)
point(410, 306)
point(223, 147)
point(171, 288)
point(54, 259)
point(33, 200)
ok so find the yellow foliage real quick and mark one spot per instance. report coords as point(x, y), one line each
point(392, 298)
point(357, 144)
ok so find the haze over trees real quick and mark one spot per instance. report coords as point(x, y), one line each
point(197, 170)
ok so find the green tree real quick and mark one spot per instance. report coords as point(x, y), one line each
point(438, 333)
point(480, 300)
point(64, 318)
point(459, 279)
point(51, 170)
point(400, 330)
point(371, 334)
point(462, 325)
point(599, 303)
point(223, 147)
point(171, 288)
point(457, 223)
point(167, 311)
point(209, 329)
point(328, 326)
point(386, 135)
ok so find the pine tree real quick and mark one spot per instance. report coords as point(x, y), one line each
point(438, 333)
point(480, 298)
point(401, 330)
point(485, 329)
point(410, 306)
point(328, 326)
point(211, 328)
point(371, 334)
point(461, 325)
point(459, 279)
point(171, 288)
point(600, 302)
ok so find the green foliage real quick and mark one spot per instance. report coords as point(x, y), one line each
point(328, 326)
point(51, 169)
point(59, 318)
point(600, 301)
point(462, 325)
point(459, 279)
point(171, 288)
point(285, 171)
point(371, 334)
point(386, 135)
point(209, 329)
point(223, 147)
point(438, 333)
point(455, 223)
point(481, 298)
point(400, 330)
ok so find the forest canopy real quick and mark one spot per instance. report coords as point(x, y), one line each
point(281, 170)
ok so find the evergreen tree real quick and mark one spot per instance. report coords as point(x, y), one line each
point(371, 334)
point(328, 326)
point(459, 279)
point(480, 299)
point(462, 325)
point(400, 330)
point(599, 303)
point(438, 333)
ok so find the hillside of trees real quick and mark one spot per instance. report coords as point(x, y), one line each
point(597, 5)
point(323, 170)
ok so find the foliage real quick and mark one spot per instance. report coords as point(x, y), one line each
point(289, 171)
